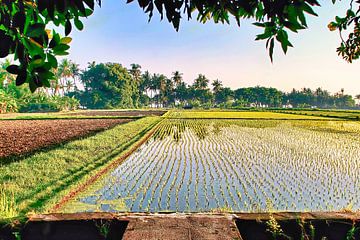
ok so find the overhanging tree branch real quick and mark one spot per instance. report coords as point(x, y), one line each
point(24, 25)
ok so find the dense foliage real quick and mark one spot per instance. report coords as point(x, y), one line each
point(25, 27)
point(111, 85)
point(14, 98)
point(107, 86)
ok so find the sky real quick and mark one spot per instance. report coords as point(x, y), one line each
point(119, 32)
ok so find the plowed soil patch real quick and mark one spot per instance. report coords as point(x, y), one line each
point(25, 136)
point(118, 113)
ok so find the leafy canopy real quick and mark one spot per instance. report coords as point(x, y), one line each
point(24, 27)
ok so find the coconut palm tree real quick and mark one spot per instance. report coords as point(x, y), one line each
point(201, 82)
point(75, 71)
point(177, 78)
point(145, 82)
point(64, 72)
point(135, 71)
point(217, 86)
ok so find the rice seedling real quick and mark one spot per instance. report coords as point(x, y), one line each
point(205, 164)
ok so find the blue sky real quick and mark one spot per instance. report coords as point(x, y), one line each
point(119, 32)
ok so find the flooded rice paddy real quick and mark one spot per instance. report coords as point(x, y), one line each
point(235, 166)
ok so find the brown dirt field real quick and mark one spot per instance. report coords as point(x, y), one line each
point(118, 113)
point(25, 136)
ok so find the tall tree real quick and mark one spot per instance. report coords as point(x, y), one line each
point(201, 82)
point(177, 78)
point(75, 73)
point(64, 73)
point(135, 72)
point(200, 90)
point(108, 86)
point(217, 85)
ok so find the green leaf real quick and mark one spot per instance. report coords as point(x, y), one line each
point(90, 3)
point(37, 62)
point(282, 37)
point(66, 40)
point(271, 49)
point(61, 48)
point(79, 25)
point(35, 30)
point(21, 78)
point(308, 9)
point(52, 60)
point(62, 53)
point(46, 83)
point(13, 69)
point(258, 24)
point(32, 86)
point(67, 27)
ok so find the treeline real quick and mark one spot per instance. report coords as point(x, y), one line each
point(111, 85)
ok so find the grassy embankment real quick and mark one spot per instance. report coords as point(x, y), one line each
point(239, 115)
point(342, 114)
point(38, 182)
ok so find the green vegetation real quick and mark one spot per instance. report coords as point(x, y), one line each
point(235, 114)
point(24, 27)
point(37, 182)
point(351, 115)
point(108, 85)
point(113, 86)
point(205, 165)
point(20, 99)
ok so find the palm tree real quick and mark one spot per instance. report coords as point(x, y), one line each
point(75, 71)
point(146, 82)
point(217, 85)
point(154, 86)
point(135, 71)
point(162, 81)
point(67, 69)
point(177, 78)
point(201, 82)
point(64, 72)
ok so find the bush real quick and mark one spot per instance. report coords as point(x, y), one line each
point(39, 107)
point(43, 103)
point(8, 103)
point(66, 103)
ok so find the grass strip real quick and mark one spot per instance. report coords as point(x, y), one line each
point(41, 180)
point(329, 114)
point(251, 115)
point(134, 144)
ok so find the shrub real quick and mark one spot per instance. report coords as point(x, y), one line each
point(7, 103)
point(43, 103)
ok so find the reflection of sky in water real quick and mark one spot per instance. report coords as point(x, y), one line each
point(195, 167)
